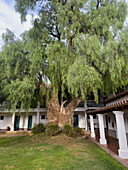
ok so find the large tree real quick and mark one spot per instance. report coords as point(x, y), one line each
point(80, 46)
point(15, 79)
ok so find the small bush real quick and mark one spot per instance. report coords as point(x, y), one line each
point(69, 131)
point(50, 123)
point(78, 131)
point(52, 130)
point(38, 128)
point(67, 128)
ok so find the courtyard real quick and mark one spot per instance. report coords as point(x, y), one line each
point(58, 152)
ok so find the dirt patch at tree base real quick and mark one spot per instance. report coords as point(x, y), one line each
point(65, 141)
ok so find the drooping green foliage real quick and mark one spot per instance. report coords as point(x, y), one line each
point(20, 79)
point(80, 46)
point(14, 73)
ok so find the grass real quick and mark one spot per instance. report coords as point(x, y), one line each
point(60, 152)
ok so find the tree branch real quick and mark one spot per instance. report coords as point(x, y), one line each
point(61, 108)
point(73, 104)
point(97, 69)
point(98, 2)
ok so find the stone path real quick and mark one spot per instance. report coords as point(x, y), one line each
point(112, 143)
point(14, 133)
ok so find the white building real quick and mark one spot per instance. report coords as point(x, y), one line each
point(113, 119)
point(25, 121)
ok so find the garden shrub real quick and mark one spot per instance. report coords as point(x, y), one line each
point(50, 123)
point(78, 131)
point(67, 128)
point(38, 128)
point(69, 131)
point(52, 130)
point(72, 132)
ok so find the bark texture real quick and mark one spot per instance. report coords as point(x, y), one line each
point(59, 114)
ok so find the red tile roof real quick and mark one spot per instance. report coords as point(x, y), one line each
point(116, 106)
point(116, 97)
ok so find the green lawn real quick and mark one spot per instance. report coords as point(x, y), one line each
point(60, 152)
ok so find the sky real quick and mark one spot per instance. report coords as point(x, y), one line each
point(11, 20)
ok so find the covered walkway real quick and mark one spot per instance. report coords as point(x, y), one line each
point(118, 122)
point(104, 147)
point(112, 143)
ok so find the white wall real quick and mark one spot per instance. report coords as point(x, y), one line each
point(44, 121)
point(22, 122)
point(7, 120)
point(112, 119)
point(126, 121)
point(34, 119)
point(81, 120)
point(113, 131)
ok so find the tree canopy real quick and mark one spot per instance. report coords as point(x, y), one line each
point(80, 46)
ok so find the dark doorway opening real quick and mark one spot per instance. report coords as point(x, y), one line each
point(17, 121)
point(29, 122)
point(75, 118)
point(106, 119)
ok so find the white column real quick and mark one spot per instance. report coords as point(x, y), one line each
point(92, 126)
point(101, 128)
point(38, 113)
point(86, 118)
point(123, 147)
point(26, 123)
point(86, 122)
point(38, 105)
point(38, 117)
point(21, 126)
point(33, 120)
point(13, 121)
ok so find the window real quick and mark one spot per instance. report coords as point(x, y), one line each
point(1, 117)
point(42, 116)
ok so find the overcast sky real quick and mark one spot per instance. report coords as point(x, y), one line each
point(11, 20)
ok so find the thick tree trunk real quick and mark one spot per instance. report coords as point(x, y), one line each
point(59, 114)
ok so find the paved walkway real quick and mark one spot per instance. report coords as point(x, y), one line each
point(14, 133)
point(113, 154)
point(112, 143)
